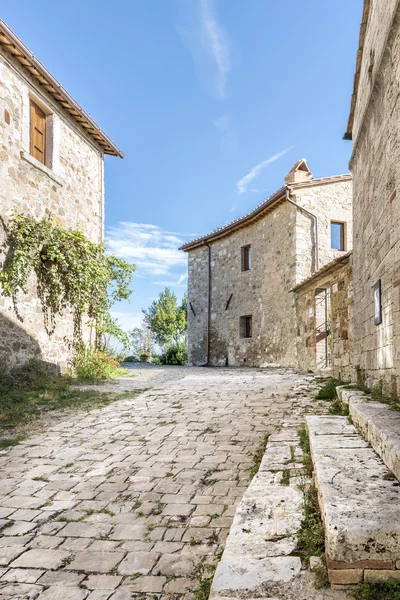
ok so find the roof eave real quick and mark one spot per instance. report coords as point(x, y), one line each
point(363, 29)
point(224, 231)
point(28, 61)
point(334, 264)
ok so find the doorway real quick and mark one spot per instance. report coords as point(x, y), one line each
point(323, 335)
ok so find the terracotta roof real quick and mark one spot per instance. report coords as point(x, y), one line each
point(12, 45)
point(363, 29)
point(343, 258)
point(260, 210)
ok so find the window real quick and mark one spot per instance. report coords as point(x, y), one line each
point(246, 326)
point(37, 133)
point(337, 235)
point(246, 258)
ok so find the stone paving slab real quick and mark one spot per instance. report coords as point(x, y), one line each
point(128, 500)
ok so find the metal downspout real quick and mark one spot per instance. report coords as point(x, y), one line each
point(209, 305)
point(314, 217)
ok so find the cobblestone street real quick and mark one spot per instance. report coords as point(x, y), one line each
point(127, 501)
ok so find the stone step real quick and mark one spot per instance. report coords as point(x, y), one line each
point(359, 501)
point(379, 425)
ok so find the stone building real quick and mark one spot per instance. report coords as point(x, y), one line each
point(375, 163)
point(241, 307)
point(324, 313)
point(51, 161)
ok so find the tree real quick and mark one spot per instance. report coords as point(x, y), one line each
point(167, 319)
point(141, 341)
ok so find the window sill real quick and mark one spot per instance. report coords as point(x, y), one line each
point(35, 163)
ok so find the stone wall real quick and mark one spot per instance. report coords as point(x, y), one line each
point(71, 189)
point(329, 202)
point(338, 283)
point(282, 243)
point(376, 169)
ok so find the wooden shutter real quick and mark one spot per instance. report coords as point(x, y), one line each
point(38, 133)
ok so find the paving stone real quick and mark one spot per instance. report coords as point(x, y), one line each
point(65, 577)
point(22, 575)
point(61, 592)
point(23, 591)
point(174, 564)
point(147, 584)
point(9, 553)
point(102, 582)
point(128, 532)
point(85, 530)
point(99, 595)
point(138, 562)
point(41, 559)
point(95, 562)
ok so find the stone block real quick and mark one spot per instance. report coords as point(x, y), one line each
point(248, 574)
point(370, 575)
point(345, 576)
point(95, 562)
point(41, 559)
point(138, 562)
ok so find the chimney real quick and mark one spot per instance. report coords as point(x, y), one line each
point(299, 173)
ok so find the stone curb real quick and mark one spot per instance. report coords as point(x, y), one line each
point(379, 425)
point(263, 532)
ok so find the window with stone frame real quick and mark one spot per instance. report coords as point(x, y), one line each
point(338, 233)
point(246, 258)
point(246, 326)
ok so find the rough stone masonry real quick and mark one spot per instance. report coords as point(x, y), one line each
point(68, 184)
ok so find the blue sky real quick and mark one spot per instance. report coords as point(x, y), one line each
point(212, 101)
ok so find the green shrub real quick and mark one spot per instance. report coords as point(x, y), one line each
point(328, 391)
point(90, 365)
point(175, 354)
point(130, 359)
point(380, 590)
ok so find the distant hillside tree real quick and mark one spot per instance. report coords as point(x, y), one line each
point(167, 319)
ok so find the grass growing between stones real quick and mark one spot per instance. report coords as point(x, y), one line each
point(338, 408)
point(380, 590)
point(258, 455)
point(30, 392)
point(311, 535)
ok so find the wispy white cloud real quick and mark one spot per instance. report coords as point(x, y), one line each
point(242, 186)
point(216, 42)
point(153, 249)
point(208, 42)
point(179, 282)
point(228, 140)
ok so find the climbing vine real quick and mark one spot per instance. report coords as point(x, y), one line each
point(72, 274)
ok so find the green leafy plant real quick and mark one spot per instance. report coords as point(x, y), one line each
point(379, 590)
point(175, 354)
point(328, 391)
point(91, 365)
point(72, 274)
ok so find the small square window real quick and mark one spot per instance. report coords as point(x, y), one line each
point(246, 326)
point(337, 235)
point(246, 258)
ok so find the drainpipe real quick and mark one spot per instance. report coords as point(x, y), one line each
point(208, 305)
point(314, 217)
